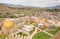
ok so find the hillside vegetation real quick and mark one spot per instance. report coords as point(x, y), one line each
point(17, 11)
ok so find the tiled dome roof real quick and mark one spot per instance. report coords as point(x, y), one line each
point(8, 23)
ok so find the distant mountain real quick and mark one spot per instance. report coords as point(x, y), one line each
point(11, 5)
point(10, 10)
point(13, 11)
point(57, 7)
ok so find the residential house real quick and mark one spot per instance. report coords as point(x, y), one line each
point(57, 24)
point(52, 22)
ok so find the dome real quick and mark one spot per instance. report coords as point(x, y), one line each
point(8, 23)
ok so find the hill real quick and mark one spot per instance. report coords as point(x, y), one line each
point(19, 10)
point(54, 7)
point(16, 11)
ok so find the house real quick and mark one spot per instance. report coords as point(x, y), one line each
point(46, 24)
point(38, 20)
point(41, 24)
point(57, 24)
point(57, 36)
point(52, 22)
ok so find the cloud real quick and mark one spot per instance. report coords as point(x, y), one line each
point(37, 3)
point(40, 3)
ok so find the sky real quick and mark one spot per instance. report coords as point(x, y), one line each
point(36, 3)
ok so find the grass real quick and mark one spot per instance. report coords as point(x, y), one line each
point(54, 31)
point(1, 19)
point(3, 36)
point(22, 34)
point(41, 35)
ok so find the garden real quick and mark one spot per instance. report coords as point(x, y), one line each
point(53, 32)
point(41, 35)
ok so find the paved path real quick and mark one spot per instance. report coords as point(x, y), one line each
point(19, 32)
point(31, 36)
point(34, 32)
point(45, 32)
